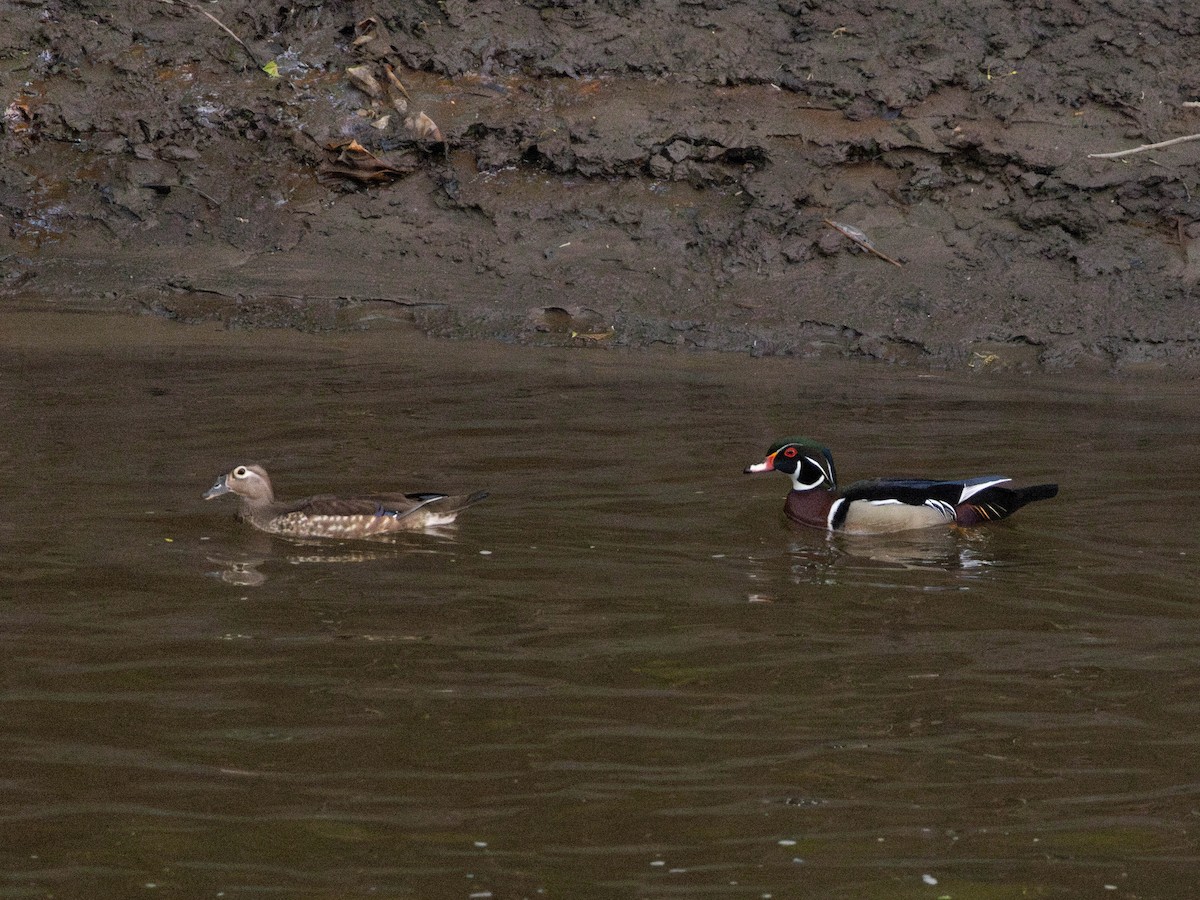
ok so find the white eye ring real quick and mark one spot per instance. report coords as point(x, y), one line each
point(240, 472)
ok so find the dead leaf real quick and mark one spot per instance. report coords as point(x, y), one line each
point(350, 159)
point(372, 38)
point(364, 79)
point(18, 117)
point(423, 127)
point(365, 30)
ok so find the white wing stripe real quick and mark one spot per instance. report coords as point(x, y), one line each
point(971, 490)
point(837, 504)
point(946, 509)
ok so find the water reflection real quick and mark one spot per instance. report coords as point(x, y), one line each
point(950, 550)
point(242, 567)
point(928, 559)
point(241, 572)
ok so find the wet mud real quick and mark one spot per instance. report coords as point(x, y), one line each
point(799, 178)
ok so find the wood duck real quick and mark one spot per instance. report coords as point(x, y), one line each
point(326, 516)
point(887, 504)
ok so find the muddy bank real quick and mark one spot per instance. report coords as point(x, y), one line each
point(616, 173)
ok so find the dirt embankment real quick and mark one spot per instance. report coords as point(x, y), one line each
point(603, 171)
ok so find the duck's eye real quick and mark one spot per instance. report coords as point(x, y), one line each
point(790, 452)
point(240, 472)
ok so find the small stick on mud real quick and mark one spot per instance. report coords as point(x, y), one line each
point(192, 187)
point(225, 28)
point(1144, 147)
point(861, 239)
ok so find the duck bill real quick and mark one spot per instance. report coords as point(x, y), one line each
point(767, 465)
point(221, 487)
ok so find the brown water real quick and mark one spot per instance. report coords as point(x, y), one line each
point(621, 676)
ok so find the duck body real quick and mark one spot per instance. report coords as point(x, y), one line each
point(886, 505)
point(326, 516)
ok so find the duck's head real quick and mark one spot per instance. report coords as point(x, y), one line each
point(807, 463)
point(250, 482)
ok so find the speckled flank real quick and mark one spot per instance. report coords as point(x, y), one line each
point(302, 525)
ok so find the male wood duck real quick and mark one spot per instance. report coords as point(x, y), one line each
point(331, 517)
point(887, 504)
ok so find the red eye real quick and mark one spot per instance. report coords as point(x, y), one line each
point(790, 452)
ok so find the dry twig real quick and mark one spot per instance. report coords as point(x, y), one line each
point(1144, 147)
point(225, 28)
point(857, 235)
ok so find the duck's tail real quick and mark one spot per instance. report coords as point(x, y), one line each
point(1000, 503)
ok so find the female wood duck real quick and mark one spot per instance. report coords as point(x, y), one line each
point(887, 504)
point(330, 517)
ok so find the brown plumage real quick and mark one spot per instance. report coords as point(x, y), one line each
point(327, 516)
